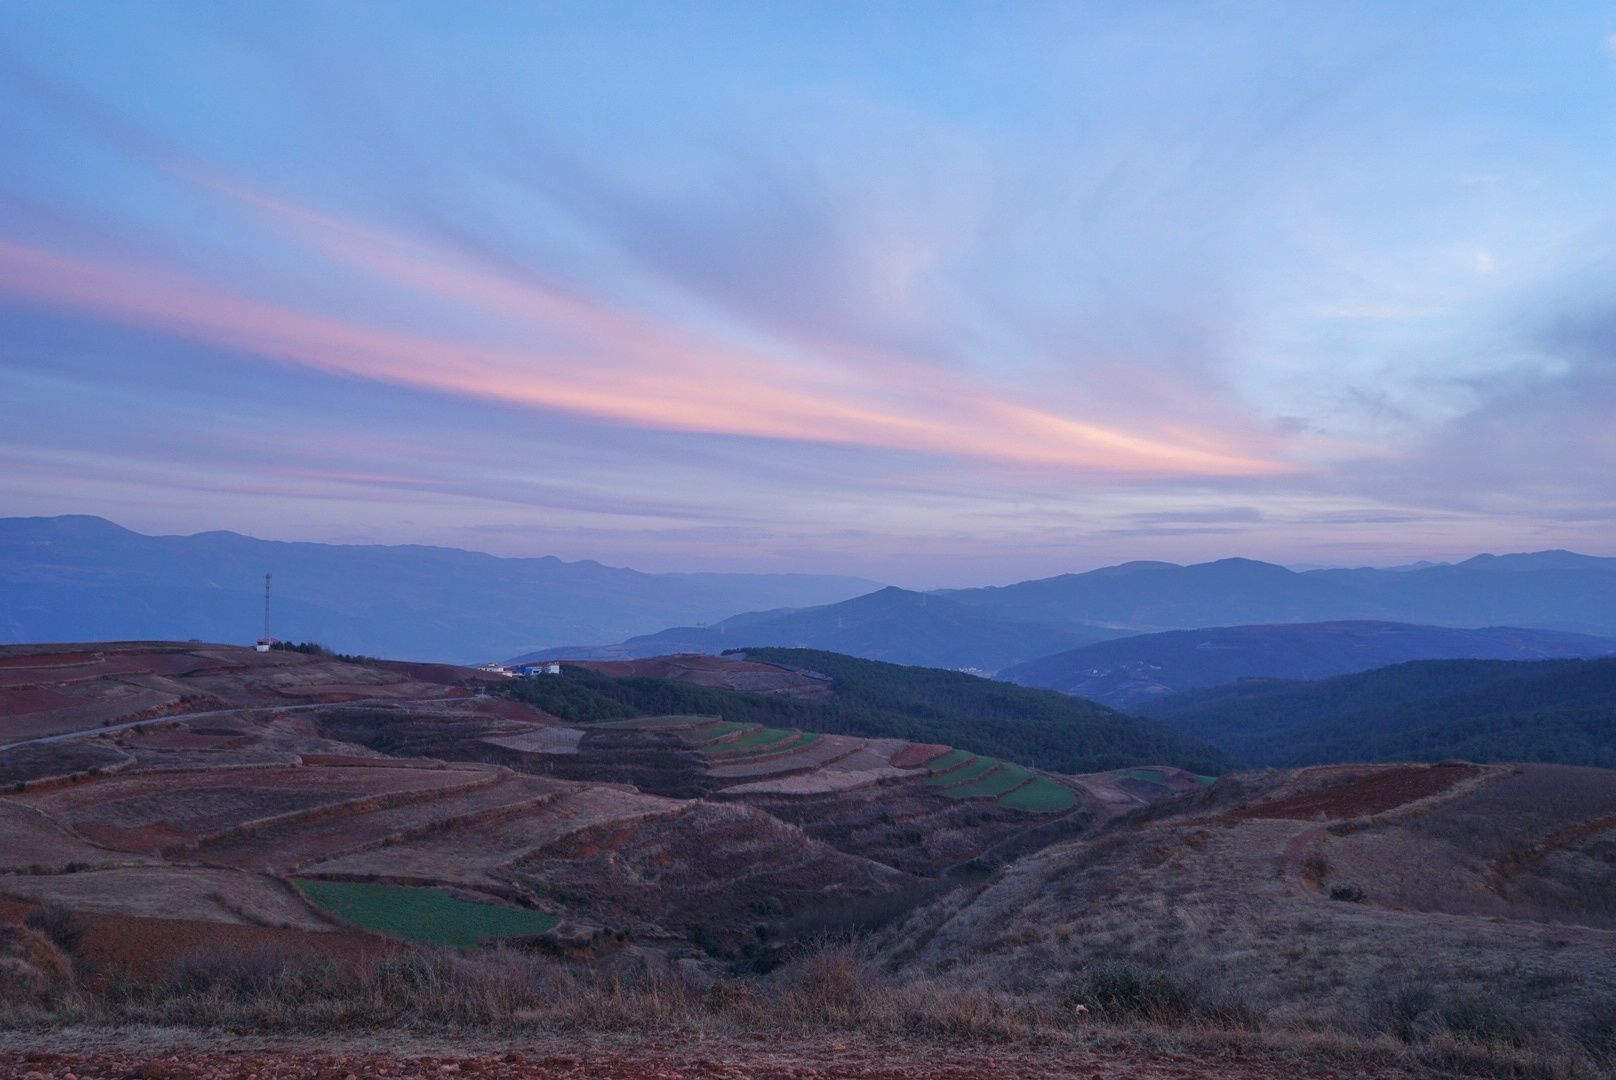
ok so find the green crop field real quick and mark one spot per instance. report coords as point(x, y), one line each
point(704, 735)
point(995, 783)
point(428, 916)
point(949, 760)
point(1041, 796)
point(803, 741)
point(966, 773)
point(754, 742)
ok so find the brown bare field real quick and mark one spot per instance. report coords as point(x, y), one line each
point(203, 894)
point(484, 857)
point(554, 740)
point(291, 845)
point(33, 842)
point(1359, 791)
point(150, 811)
point(618, 871)
point(1536, 843)
point(144, 946)
point(36, 764)
point(914, 755)
point(822, 782)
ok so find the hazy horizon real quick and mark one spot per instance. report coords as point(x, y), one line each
point(931, 295)
point(914, 585)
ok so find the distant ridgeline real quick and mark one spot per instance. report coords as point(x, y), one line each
point(1040, 728)
point(1427, 710)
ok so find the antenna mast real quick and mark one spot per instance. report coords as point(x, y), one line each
point(266, 606)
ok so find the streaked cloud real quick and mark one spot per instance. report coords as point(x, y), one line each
point(967, 294)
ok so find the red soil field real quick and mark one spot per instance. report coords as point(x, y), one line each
point(146, 946)
point(507, 709)
point(40, 660)
point(1374, 793)
point(33, 699)
point(914, 755)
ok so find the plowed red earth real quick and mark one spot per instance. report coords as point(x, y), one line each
point(1371, 794)
point(664, 1060)
point(914, 755)
point(146, 946)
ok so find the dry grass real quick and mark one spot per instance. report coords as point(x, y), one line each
point(831, 991)
point(1185, 925)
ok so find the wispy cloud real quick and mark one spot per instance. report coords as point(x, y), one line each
point(609, 366)
point(1060, 286)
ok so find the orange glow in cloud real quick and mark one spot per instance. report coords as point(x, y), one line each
point(614, 366)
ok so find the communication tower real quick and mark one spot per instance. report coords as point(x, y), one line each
point(266, 641)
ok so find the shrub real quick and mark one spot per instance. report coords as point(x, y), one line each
point(1130, 992)
point(34, 972)
point(827, 985)
point(64, 929)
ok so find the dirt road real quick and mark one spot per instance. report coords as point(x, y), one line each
point(160, 1056)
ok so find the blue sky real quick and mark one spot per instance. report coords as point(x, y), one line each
point(933, 293)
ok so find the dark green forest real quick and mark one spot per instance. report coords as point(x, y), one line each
point(1480, 710)
point(1039, 728)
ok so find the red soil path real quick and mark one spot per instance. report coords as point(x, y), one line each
point(662, 1058)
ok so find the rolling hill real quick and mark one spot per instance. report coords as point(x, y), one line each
point(1027, 726)
point(1429, 710)
point(894, 625)
point(86, 579)
point(1126, 672)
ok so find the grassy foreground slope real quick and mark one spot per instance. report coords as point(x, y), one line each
point(1481, 710)
point(1040, 728)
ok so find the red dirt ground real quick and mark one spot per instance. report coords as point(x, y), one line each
point(47, 659)
point(145, 946)
point(663, 1058)
point(507, 709)
point(180, 739)
point(914, 755)
point(1373, 793)
point(33, 699)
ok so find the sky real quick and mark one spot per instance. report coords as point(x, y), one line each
point(932, 293)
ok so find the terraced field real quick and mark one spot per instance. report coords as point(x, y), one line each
point(396, 809)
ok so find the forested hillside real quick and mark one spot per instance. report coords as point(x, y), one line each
point(1040, 728)
point(1480, 710)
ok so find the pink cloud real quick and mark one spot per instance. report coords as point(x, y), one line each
point(615, 366)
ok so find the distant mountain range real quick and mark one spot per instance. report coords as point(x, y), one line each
point(1128, 672)
point(893, 625)
point(990, 629)
point(1428, 710)
point(1553, 590)
point(86, 579)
